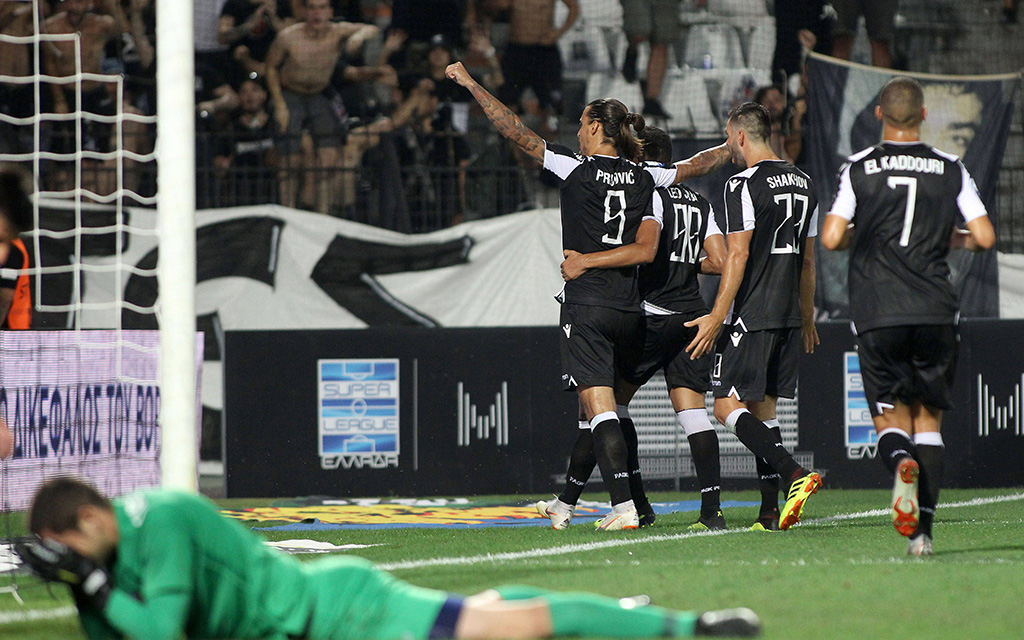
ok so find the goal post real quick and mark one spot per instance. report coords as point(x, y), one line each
point(176, 269)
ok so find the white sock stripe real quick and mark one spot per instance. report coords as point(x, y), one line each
point(602, 417)
point(929, 438)
point(899, 432)
point(730, 422)
point(694, 421)
point(622, 411)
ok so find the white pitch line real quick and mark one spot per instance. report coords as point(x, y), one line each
point(975, 502)
point(622, 542)
point(31, 615)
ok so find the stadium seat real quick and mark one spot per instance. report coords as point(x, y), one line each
point(685, 97)
point(712, 46)
point(758, 39)
point(603, 85)
point(739, 8)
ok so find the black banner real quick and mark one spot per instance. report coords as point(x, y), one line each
point(465, 411)
point(968, 116)
point(983, 434)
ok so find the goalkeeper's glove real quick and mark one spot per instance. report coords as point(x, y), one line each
point(55, 562)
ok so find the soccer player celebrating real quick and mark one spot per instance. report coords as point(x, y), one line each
point(162, 564)
point(766, 298)
point(605, 193)
point(671, 297)
point(897, 208)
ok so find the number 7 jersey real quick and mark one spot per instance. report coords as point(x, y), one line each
point(775, 200)
point(904, 199)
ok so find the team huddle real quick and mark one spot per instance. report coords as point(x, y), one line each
point(634, 243)
point(160, 564)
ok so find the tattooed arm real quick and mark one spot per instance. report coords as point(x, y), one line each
point(506, 122)
point(702, 163)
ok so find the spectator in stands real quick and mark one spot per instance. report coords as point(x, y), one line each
point(215, 100)
point(419, 21)
point(205, 23)
point(16, 100)
point(15, 217)
point(435, 157)
point(878, 19)
point(300, 63)
point(249, 27)
point(15, 294)
point(787, 121)
point(62, 60)
point(245, 160)
point(532, 59)
point(791, 18)
point(1010, 11)
point(655, 22)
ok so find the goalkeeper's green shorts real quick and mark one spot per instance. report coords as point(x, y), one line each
point(357, 601)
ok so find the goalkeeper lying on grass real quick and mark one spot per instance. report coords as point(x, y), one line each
point(160, 564)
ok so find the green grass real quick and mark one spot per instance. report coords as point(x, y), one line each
point(846, 578)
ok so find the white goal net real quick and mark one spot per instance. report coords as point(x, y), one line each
point(85, 394)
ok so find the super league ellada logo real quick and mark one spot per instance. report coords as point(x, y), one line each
point(358, 406)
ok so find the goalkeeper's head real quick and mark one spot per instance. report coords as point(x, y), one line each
point(76, 515)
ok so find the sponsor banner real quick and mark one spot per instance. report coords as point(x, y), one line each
point(968, 116)
point(82, 403)
point(861, 438)
point(983, 433)
point(359, 404)
point(414, 411)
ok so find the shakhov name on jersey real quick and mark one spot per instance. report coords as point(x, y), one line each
point(787, 180)
point(904, 163)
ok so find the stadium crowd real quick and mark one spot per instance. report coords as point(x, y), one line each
point(366, 126)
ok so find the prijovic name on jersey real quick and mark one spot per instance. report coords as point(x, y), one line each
point(775, 200)
point(904, 200)
point(603, 201)
point(669, 284)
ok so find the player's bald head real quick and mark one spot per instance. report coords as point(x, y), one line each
point(902, 103)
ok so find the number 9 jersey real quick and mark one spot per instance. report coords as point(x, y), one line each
point(603, 200)
point(775, 200)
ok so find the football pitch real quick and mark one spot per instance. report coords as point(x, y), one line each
point(842, 573)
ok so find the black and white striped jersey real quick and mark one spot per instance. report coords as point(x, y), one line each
point(775, 200)
point(669, 284)
point(904, 200)
point(603, 200)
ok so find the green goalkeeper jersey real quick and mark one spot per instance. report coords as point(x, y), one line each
point(182, 568)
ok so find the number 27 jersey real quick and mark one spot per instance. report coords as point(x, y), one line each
point(775, 200)
point(603, 201)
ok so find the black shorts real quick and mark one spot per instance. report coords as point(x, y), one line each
point(908, 363)
point(751, 365)
point(597, 344)
point(538, 67)
point(664, 347)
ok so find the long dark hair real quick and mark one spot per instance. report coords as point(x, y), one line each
point(615, 121)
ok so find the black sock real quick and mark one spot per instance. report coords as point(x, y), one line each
point(931, 459)
point(581, 465)
point(610, 448)
point(893, 447)
point(757, 437)
point(706, 462)
point(636, 480)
